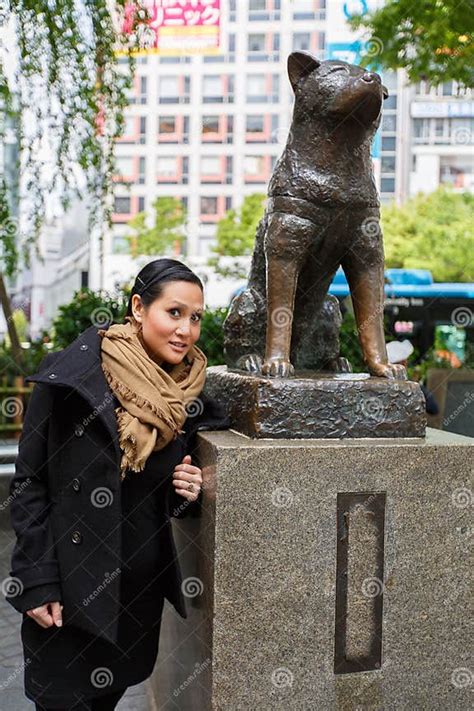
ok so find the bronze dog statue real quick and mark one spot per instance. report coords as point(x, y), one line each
point(322, 213)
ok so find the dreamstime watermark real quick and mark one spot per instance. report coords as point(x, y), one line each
point(461, 678)
point(371, 407)
point(282, 497)
point(373, 47)
point(468, 400)
point(108, 397)
point(462, 317)
point(109, 577)
point(11, 407)
point(14, 674)
point(371, 227)
point(100, 316)
point(192, 587)
point(101, 497)
point(194, 407)
point(199, 667)
point(372, 587)
point(19, 487)
point(101, 677)
point(281, 317)
point(12, 587)
point(462, 497)
point(282, 677)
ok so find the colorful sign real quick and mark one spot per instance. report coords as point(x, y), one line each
point(178, 27)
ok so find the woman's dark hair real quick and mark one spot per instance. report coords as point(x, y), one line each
point(150, 280)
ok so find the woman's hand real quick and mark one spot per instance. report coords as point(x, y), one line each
point(185, 474)
point(46, 618)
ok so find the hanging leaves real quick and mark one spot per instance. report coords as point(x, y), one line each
point(71, 88)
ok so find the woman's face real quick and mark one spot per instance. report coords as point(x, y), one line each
point(172, 319)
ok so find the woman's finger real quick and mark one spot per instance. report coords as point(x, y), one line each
point(189, 468)
point(41, 616)
point(187, 494)
point(56, 608)
point(193, 478)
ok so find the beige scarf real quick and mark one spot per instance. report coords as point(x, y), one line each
point(153, 401)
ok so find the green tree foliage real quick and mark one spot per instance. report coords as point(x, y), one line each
point(87, 308)
point(431, 39)
point(211, 341)
point(166, 232)
point(235, 235)
point(431, 232)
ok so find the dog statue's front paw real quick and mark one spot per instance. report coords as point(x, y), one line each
point(277, 367)
point(393, 371)
point(251, 362)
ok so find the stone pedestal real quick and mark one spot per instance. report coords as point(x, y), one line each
point(312, 405)
point(324, 574)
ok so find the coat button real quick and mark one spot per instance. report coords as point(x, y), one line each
point(79, 430)
point(76, 484)
point(84, 347)
point(51, 376)
point(76, 537)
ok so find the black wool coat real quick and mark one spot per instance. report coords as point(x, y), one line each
point(66, 492)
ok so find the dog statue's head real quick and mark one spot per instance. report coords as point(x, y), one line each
point(335, 89)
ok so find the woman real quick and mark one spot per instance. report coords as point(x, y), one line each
point(104, 461)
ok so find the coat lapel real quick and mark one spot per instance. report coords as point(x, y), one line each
point(79, 367)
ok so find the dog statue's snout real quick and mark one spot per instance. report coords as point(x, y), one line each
point(369, 77)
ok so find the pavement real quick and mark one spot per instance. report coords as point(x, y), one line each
point(12, 697)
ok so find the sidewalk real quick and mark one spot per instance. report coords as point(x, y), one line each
point(12, 697)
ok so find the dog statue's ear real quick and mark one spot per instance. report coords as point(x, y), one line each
point(300, 64)
point(384, 92)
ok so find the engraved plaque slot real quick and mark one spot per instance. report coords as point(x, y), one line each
point(359, 581)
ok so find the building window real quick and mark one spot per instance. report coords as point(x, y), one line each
point(166, 167)
point(389, 123)
point(301, 41)
point(124, 166)
point(304, 10)
point(421, 130)
point(141, 169)
point(142, 138)
point(141, 204)
point(256, 47)
point(210, 165)
point(210, 124)
point(174, 90)
point(143, 88)
point(259, 10)
point(387, 185)
point(388, 143)
point(228, 203)
point(390, 103)
point(167, 124)
point(258, 91)
point(212, 88)
point(208, 205)
point(122, 205)
point(255, 123)
point(388, 164)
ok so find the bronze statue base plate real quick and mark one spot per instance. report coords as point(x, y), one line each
point(312, 405)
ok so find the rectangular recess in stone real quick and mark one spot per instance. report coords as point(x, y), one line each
point(359, 581)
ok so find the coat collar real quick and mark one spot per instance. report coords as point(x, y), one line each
point(78, 366)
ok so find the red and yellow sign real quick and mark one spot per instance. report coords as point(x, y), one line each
point(176, 27)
